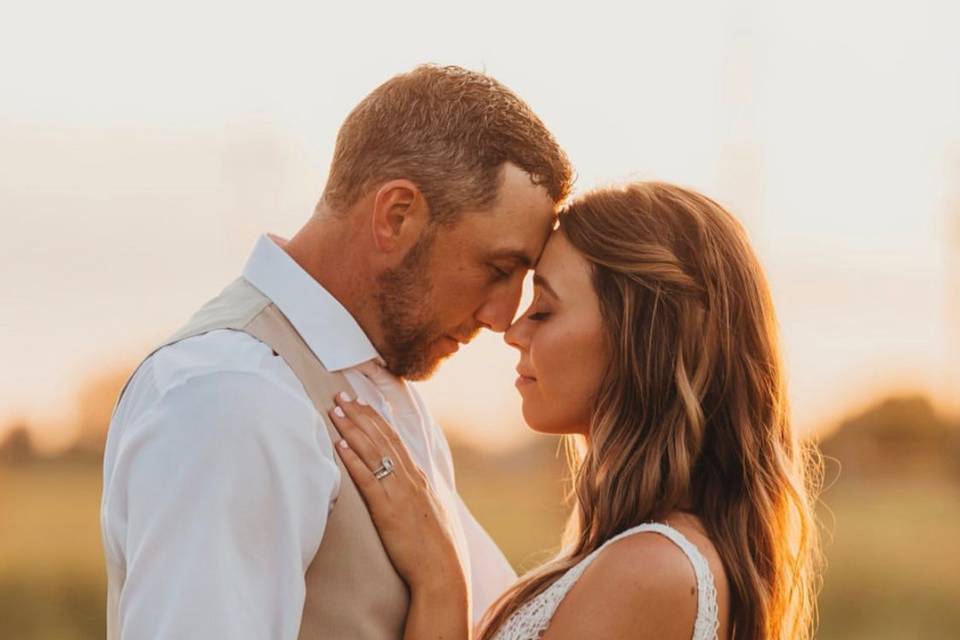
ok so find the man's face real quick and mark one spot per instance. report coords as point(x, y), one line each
point(461, 278)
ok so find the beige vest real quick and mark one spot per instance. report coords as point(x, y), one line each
point(352, 590)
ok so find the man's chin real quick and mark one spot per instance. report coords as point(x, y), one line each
point(427, 368)
point(419, 375)
point(431, 358)
point(420, 371)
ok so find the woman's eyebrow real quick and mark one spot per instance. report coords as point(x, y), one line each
point(540, 281)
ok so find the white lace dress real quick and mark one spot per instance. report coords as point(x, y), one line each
point(532, 619)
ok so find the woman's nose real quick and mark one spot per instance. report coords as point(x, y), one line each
point(513, 336)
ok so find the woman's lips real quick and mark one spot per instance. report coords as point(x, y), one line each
point(523, 379)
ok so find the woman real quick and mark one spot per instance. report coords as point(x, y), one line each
point(651, 343)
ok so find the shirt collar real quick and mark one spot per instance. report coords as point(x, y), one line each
point(325, 325)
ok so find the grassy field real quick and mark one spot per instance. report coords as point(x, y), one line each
point(893, 561)
point(52, 580)
point(894, 557)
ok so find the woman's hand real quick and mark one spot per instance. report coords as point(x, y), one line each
point(411, 522)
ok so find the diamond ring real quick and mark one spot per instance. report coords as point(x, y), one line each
point(386, 468)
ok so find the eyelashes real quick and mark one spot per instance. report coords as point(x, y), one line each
point(499, 274)
point(539, 317)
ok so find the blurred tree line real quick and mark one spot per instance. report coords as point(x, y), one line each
point(895, 436)
point(95, 401)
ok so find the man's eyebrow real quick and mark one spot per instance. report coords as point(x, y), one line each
point(541, 282)
point(518, 256)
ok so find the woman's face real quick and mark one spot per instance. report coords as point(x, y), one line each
point(561, 343)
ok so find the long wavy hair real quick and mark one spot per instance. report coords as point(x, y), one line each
point(691, 413)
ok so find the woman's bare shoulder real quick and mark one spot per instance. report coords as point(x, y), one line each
point(641, 586)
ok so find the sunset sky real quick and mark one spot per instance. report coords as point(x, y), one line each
point(143, 149)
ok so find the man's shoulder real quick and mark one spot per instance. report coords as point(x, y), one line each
point(220, 351)
point(218, 362)
point(220, 376)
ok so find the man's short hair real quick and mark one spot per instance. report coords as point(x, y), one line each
point(450, 131)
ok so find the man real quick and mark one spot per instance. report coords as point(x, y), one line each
point(226, 513)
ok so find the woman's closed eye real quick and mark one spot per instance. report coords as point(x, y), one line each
point(539, 316)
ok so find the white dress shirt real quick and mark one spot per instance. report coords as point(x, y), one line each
point(219, 473)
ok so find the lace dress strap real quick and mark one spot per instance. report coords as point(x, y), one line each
point(532, 619)
point(708, 619)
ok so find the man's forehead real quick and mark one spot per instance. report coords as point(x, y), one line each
point(533, 240)
point(522, 257)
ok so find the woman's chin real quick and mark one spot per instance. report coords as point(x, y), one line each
point(549, 424)
point(530, 418)
point(536, 422)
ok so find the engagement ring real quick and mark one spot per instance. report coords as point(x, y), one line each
point(386, 468)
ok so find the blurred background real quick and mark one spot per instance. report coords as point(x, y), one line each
point(143, 149)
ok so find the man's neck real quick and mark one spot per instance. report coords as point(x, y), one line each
point(327, 250)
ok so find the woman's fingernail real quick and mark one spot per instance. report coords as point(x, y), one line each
point(339, 413)
point(345, 396)
point(362, 402)
point(343, 444)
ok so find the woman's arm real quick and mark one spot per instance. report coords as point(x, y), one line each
point(411, 523)
point(642, 587)
point(438, 614)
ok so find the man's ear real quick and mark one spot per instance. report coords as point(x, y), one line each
point(399, 216)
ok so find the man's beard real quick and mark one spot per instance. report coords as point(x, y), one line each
point(405, 307)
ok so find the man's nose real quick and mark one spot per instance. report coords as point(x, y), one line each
point(499, 310)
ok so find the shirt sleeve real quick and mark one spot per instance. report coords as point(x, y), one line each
point(225, 487)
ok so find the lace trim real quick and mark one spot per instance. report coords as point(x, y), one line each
point(533, 618)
